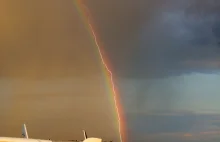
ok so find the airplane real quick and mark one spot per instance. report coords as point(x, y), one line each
point(86, 139)
point(27, 139)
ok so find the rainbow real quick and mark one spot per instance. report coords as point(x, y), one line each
point(86, 18)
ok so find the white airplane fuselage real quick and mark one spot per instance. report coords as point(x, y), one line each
point(13, 139)
point(27, 139)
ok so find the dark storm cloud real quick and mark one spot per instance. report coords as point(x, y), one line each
point(159, 38)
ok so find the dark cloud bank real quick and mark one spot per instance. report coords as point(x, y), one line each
point(159, 38)
point(149, 39)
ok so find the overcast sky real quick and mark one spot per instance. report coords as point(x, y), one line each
point(168, 49)
point(165, 58)
point(51, 77)
point(164, 55)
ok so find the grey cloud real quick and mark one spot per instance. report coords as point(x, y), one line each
point(155, 39)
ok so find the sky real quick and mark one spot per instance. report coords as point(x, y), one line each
point(51, 77)
point(164, 56)
point(163, 48)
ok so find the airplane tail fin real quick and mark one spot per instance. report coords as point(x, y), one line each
point(85, 135)
point(86, 139)
point(24, 131)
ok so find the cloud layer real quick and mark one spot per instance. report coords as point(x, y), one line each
point(159, 38)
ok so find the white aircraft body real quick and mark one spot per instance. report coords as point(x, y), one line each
point(27, 139)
